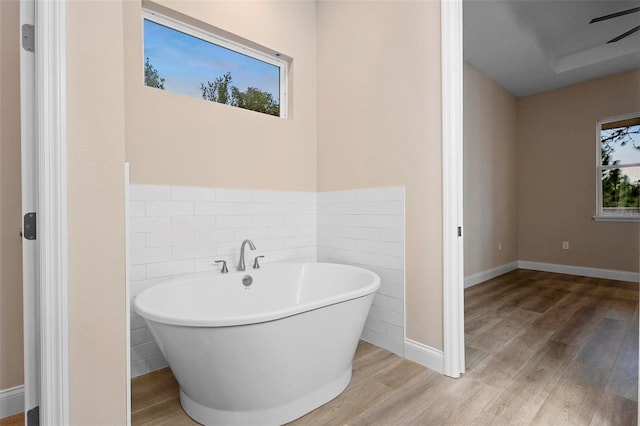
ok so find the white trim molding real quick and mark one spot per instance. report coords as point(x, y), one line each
point(584, 271)
point(424, 355)
point(483, 276)
point(452, 169)
point(29, 178)
point(127, 186)
point(600, 216)
point(11, 401)
point(51, 122)
point(616, 218)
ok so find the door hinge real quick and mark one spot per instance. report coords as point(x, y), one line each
point(29, 226)
point(459, 231)
point(29, 37)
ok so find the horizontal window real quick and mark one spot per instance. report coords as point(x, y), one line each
point(619, 167)
point(187, 60)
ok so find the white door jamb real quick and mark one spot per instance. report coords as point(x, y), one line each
point(29, 165)
point(452, 173)
point(50, 51)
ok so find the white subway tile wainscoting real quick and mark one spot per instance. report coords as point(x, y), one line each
point(175, 230)
point(365, 227)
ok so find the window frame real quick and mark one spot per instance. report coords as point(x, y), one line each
point(275, 59)
point(600, 216)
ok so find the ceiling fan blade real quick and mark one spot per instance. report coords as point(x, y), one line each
point(627, 34)
point(615, 15)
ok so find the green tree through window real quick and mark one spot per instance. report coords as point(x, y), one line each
point(221, 91)
point(151, 76)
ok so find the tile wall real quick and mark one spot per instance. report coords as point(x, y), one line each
point(175, 230)
point(365, 228)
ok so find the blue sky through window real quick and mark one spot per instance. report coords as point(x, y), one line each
point(627, 154)
point(185, 62)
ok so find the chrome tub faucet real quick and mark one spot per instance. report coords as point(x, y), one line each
point(241, 265)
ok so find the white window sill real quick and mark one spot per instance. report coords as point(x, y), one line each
point(616, 218)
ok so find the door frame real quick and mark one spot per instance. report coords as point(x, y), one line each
point(452, 178)
point(29, 184)
point(49, 115)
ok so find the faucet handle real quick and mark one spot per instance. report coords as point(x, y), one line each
point(224, 269)
point(256, 265)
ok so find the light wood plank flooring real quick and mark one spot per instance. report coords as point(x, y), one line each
point(542, 349)
point(17, 420)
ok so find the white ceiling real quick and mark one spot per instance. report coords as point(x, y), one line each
point(531, 46)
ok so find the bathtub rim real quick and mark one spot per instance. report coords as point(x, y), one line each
point(230, 321)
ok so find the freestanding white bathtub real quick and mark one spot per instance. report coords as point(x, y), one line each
point(261, 354)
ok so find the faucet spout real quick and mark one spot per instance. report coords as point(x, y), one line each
point(241, 265)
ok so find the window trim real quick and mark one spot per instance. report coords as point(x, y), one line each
point(600, 216)
point(238, 47)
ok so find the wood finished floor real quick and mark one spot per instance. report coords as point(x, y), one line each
point(542, 349)
point(17, 420)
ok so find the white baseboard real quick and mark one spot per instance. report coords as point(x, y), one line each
point(584, 271)
point(424, 355)
point(483, 276)
point(383, 342)
point(11, 401)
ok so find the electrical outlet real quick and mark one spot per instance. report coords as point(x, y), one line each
point(499, 245)
point(565, 245)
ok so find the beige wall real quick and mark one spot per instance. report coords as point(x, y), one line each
point(490, 174)
point(180, 140)
point(97, 300)
point(379, 123)
point(11, 341)
point(556, 175)
point(214, 144)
